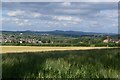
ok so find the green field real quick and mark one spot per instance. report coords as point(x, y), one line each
point(98, 63)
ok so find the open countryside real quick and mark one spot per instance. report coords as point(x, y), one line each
point(60, 40)
point(59, 54)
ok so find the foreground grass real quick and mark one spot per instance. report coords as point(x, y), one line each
point(101, 63)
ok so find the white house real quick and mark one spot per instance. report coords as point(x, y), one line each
point(106, 41)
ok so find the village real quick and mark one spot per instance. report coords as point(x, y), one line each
point(20, 39)
point(11, 39)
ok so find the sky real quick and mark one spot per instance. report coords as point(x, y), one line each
point(68, 16)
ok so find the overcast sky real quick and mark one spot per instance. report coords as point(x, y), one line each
point(46, 16)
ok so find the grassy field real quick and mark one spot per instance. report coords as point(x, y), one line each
point(14, 49)
point(95, 63)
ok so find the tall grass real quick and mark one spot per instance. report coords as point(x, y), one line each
point(102, 63)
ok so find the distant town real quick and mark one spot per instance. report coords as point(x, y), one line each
point(55, 39)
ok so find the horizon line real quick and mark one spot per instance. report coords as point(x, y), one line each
point(61, 30)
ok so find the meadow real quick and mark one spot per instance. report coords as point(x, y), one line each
point(95, 63)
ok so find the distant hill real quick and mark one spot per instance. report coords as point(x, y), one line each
point(59, 32)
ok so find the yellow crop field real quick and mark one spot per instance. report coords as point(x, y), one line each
point(14, 49)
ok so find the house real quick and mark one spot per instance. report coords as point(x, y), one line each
point(40, 42)
point(21, 42)
point(118, 41)
point(106, 41)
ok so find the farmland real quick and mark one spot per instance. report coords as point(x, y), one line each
point(13, 49)
point(60, 40)
point(94, 63)
point(59, 55)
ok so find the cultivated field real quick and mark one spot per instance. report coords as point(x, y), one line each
point(14, 49)
point(60, 62)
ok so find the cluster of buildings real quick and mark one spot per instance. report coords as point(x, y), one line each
point(14, 40)
point(111, 40)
